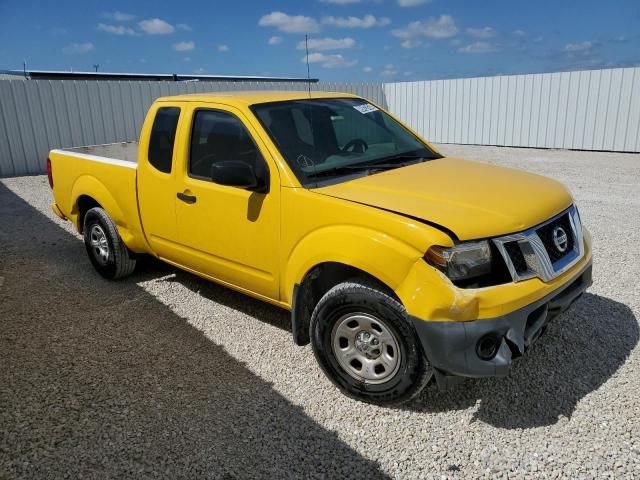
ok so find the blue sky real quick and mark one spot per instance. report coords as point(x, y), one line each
point(350, 40)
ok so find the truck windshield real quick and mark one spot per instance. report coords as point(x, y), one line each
point(334, 139)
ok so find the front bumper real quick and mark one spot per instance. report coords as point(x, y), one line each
point(453, 347)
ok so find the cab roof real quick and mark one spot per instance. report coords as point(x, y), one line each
point(252, 97)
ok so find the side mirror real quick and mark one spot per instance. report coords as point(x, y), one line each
point(234, 173)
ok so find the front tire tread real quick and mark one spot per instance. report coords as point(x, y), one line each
point(371, 295)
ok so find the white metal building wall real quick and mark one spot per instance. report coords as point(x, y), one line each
point(585, 110)
point(590, 110)
point(39, 115)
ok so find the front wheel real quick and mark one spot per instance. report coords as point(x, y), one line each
point(365, 344)
point(107, 252)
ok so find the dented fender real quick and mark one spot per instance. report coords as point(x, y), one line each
point(428, 294)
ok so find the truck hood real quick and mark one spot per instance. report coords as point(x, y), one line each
point(472, 200)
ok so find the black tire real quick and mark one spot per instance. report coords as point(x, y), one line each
point(117, 260)
point(412, 371)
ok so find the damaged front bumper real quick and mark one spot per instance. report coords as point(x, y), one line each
point(482, 348)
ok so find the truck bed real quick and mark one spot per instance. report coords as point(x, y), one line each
point(123, 151)
point(105, 173)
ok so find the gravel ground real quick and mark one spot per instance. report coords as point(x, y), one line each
point(166, 375)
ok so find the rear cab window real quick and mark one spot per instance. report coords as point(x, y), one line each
point(162, 139)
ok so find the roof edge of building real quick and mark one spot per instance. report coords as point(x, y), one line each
point(176, 77)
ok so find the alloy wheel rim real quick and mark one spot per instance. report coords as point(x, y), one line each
point(366, 348)
point(99, 244)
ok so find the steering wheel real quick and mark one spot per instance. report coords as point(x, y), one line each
point(357, 145)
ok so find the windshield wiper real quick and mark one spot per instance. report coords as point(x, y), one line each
point(368, 167)
point(371, 166)
point(395, 161)
point(402, 157)
point(339, 170)
point(399, 160)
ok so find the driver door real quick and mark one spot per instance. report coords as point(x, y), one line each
point(226, 232)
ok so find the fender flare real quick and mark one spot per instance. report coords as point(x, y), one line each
point(90, 186)
point(382, 256)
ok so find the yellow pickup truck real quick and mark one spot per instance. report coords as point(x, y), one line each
point(398, 264)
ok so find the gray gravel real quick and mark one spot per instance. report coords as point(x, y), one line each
point(166, 375)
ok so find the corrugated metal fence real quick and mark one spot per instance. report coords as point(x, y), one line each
point(591, 110)
point(39, 115)
point(587, 110)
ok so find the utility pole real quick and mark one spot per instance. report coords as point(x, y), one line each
point(24, 68)
point(95, 66)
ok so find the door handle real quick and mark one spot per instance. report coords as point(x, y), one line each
point(186, 198)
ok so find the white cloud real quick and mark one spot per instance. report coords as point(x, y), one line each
point(156, 26)
point(367, 69)
point(389, 70)
point(223, 48)
point(184, 46)
point(116, 29)
point(442, 27)
point(341, 2)
point(519, 33)
point(77, 48)
point(329, 61)
point(187, 59)
point(289, 23)
point(119, 16)
point(581, 47)
point(275, 40)
point(367, 21)
point(486, 32)
point(322, 44)
point(184, 27)
point(412, 3)
point(478, 47)
point(200, 70)
point(411, 43)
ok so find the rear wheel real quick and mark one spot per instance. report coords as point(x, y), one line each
point(107, 252)
point(365, 344)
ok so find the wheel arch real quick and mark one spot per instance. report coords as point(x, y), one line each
point(315, 283)
point(374, 252)
point(83, 204)
point(337, 253)
point(87, 190)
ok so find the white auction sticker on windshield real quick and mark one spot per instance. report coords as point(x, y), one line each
point(365, 108)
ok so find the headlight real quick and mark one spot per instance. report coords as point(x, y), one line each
point(466, 260)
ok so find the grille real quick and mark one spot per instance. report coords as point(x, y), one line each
point(517, 258)
point(533, 253)
point(546, 235)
